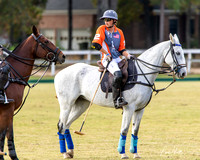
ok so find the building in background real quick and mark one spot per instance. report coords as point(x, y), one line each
point(54, 25)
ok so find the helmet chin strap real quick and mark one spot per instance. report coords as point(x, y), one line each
point(112, 24)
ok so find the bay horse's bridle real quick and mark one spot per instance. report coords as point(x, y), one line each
point(55, 53)
point(21, 80)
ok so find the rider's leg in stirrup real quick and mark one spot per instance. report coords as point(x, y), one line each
point(119, 102)
point(3, 80)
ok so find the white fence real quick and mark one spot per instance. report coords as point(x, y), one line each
point(89, 53)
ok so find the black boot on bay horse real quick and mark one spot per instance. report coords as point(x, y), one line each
point(3, 98)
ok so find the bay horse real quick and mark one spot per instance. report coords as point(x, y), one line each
point(21, 62)
point(75, 86)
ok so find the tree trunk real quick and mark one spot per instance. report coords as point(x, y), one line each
point(162, 20)
point(188, 25)
point(148, 25)
point(102, 6)
point(70, 25)
point(11, 36)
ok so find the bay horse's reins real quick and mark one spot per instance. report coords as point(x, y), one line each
point(55, 54)
point(43, 65)
point(174, 71)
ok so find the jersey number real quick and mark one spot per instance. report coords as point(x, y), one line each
point(97, 36)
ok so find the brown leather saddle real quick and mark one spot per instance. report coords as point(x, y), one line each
point(129, 73)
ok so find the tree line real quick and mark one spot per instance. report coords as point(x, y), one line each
point(17, 16)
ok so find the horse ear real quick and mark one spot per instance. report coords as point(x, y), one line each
point(35, 30)
point(171, 38)
point(176, 38)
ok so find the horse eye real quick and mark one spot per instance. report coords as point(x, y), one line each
point(178, 53)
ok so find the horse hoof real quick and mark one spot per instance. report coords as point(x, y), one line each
point(124, 156)
point(136, 155)
point(69, 154)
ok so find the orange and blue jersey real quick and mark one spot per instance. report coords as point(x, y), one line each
point(113, 43)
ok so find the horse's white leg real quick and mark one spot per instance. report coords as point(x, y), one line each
point(137, 116)
point(63, 130)
point(127, 116)
point(76, 110)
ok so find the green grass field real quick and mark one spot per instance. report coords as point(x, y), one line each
point(169, 129)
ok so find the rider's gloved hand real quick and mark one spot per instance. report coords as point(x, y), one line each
point(130, 57)
point(108, 57)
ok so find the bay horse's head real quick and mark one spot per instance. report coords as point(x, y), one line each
point(175, 57)
point(46, 49)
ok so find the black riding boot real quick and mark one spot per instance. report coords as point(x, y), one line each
point(3, 80)
point(119, 102)
point(2, 98)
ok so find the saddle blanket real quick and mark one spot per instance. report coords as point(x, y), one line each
point(106, 84)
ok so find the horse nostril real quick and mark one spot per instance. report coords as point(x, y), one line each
point(63, 56)
point(183, 74)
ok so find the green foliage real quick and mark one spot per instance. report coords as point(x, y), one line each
point(181, 5)
point(17, 16)
point(128, 11)
point(194, 43)
point(171, 4)
point(94, 2)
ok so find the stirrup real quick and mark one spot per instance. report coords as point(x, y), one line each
point(120, 102)
point(6, 100)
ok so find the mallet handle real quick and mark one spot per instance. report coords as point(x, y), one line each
point(94, 96)
point(3, 153)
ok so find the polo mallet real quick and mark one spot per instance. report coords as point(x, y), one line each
point(3, 153)
point(79, 132)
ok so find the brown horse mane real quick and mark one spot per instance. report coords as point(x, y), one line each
point(20, 44)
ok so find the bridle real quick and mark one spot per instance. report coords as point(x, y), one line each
point(51, 53)
point(178, 66)
point(55, 53)
point(174, 71)
point(21, 80)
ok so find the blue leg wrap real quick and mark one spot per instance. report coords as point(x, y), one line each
point(62, 142)
point(134, 140)
point(121, 145)
point(68, 138)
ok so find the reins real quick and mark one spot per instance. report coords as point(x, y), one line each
point(21, 79)
point(30, 87)
point(155, 71)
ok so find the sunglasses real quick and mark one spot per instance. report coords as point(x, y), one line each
point(107, 19)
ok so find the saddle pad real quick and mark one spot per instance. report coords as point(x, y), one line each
point(132, 76)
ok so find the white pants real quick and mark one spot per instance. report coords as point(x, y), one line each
point(113, 66)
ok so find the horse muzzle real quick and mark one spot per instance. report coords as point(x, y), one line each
point(61, 59)
point(181, 71)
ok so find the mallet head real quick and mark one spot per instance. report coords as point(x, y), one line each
point(79, 133)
